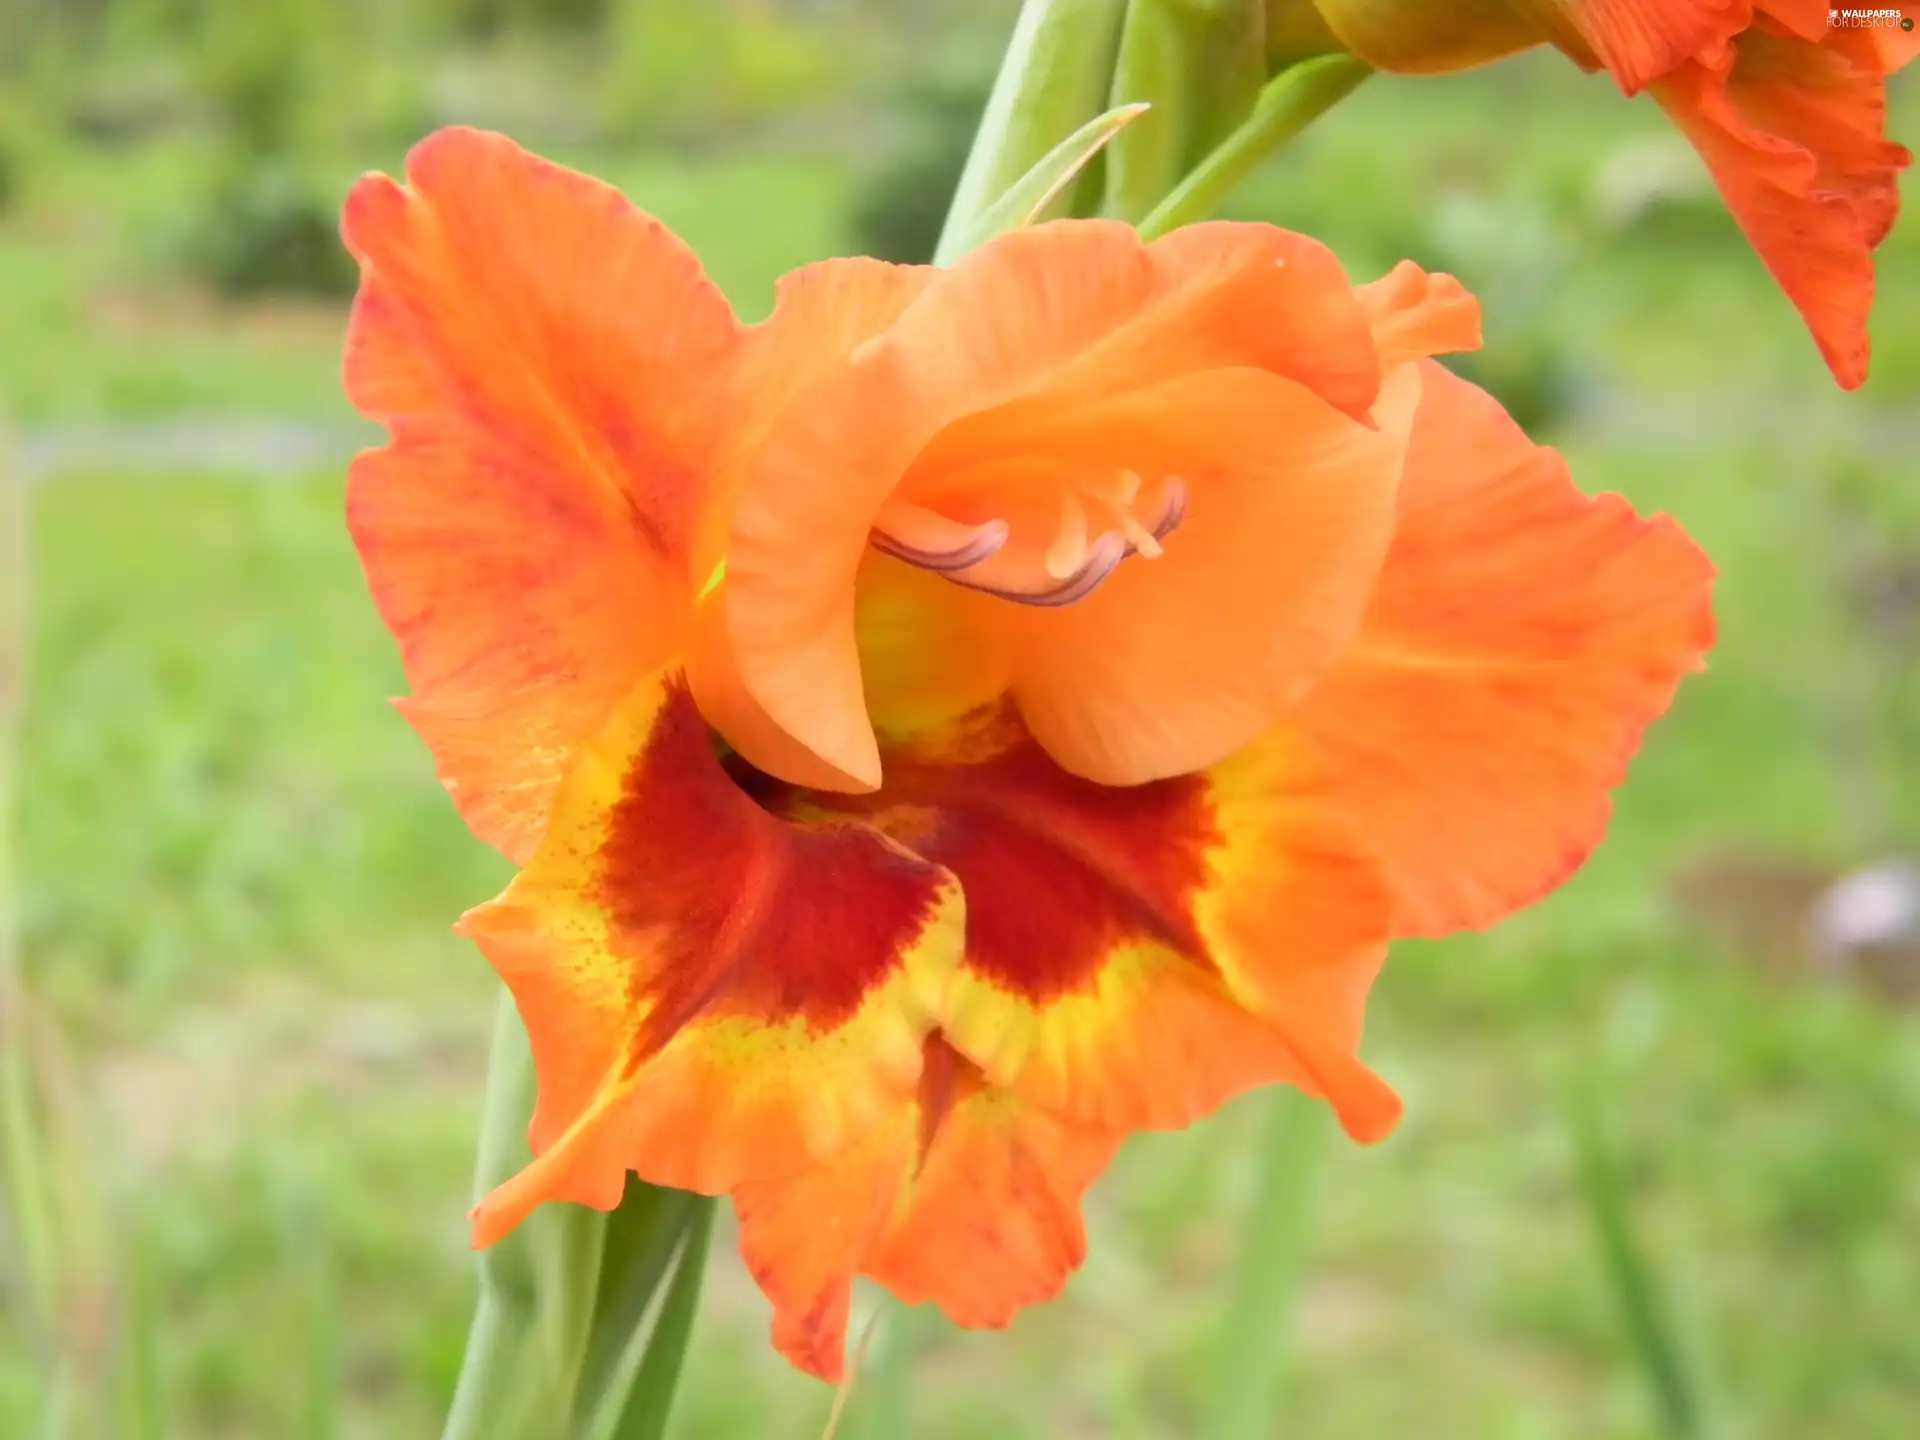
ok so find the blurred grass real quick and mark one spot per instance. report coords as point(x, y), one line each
point(99, 326)
point(239, 871)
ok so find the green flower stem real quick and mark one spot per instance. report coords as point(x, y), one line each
point(882, 1408)
point(1200, 64)
point(1035, 193)
point(570, 1241)
point(649, 1403)
point(1251, 1341)
point(1055, 78)
point(643, 1238)
point(1636, 1288)
point(27, 1179)
point(555, 1346)
point(1291, 101)
point(501, 1373)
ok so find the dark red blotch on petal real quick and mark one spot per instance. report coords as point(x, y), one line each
point(1057, 870)
point(764, 917)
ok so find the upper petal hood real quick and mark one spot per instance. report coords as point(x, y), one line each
point(1076, 347)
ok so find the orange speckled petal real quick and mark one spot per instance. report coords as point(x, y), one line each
point(1523, 636)
point(969, 1199)
point(711, 993)
point(555, 372)
point(1135, 956)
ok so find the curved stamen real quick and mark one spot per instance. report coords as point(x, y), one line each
point(931, 541)
point(1173, 507)
point(1072, 567)
point(1103, 558)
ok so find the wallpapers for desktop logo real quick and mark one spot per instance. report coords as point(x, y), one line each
point(1863, 19)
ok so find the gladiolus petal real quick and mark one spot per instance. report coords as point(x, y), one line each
point(1415, 314)
point(554, 371)
point(1522, 637)
point(969, 1199)
point(1794, 134)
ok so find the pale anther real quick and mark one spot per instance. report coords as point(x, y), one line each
point(1069, 549)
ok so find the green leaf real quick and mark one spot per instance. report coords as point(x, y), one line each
point(1635, 1288)
point(650, 1402)
point(1201, 65)
point(142, 1394)
point(1250, 1344)
point(26, 1170)
point(900, 1333)
point(1055, 78)
point(323, 1333)
point(1291, 101)
point(28, 1184)
point(567, 1241)
point(557, 1330)
point(1034, 193)
point(517, 1376)
point(643, 1235)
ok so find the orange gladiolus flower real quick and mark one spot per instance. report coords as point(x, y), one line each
point(1787, 108)
point(974, 714)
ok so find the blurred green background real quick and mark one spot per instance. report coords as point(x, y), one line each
point(260, 1049)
